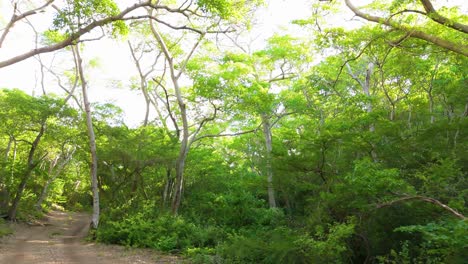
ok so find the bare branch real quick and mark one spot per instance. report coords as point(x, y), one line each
point(168, 107)
point(229, 134)
point(73, 37)
point(184, 63)
point(15, 18)
point(424, 199)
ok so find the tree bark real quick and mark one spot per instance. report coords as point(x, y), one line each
point(74, 38)
point(268, 166)
point(184, 148)
point(424, 199)
point(184, 144)
point(4, 195)
point(52, 176)
point(414, 33)
point(27, 174)
point(436, 17)
point(92, 141)
point(366, 90)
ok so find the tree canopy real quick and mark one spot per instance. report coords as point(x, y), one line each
point(336, 142)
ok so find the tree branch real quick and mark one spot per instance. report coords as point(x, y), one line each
point(457, 48)
point(424, 199)
point(229, 134)
point(432, 14)
point(75, 36)
point(15, 18)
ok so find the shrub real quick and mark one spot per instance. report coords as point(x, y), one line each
point(166, 233)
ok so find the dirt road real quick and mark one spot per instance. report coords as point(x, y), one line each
point(59, 239)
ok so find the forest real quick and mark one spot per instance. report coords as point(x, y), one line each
point(341, 139)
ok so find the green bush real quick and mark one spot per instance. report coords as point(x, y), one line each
point(4, 229)
point(166, 233)
point(286, 245)
point(447, 241)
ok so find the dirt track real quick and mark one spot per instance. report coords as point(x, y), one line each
point(60, 239)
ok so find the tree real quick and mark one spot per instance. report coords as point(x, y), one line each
point(449, 39)
point(249, 85)
point(35, 115)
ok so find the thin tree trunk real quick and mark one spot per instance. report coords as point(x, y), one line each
point(366, 89)
point(7, 151)
point(410, 117)
point(431, 107)
point(268, 166)
point(53, 176)
point(92, 141)
point(167, 187)
point(184, 148)
point(185, 144)
point(31, 165)
point(4, 195)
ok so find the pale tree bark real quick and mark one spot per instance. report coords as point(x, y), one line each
point(185, 137)
point(20, 16)
point(144, 87)
point(435, 16)
point(27, 173)
point(143, 75)
point(365, 85)
point(75, 37)
point(391, 100)
point(424, 199)
point(52, 165)
point(430, 95)
point(268, 166)
point(92, 140)
point(56, 167)
point(414, 33)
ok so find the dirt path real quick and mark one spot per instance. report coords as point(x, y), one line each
point(59, 239)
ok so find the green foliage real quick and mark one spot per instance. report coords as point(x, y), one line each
point(342, 157)
point(228, 9)
point(162, 232)
point(445, 241)
point(79, 13)
point(4, 229)
point(285, 245)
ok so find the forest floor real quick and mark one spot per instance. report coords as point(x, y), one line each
point(60, 238)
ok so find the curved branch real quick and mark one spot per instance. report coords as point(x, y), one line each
point(15, 18)
point(229, 134)
point(436, 17)
point(457, 48)
point(424, 199)
point(73, 37)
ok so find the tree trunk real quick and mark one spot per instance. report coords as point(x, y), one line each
point(366, 89)
point(92, 142)
point(52, 165)
point(180, 163)
point(53, 176)
point(185, 144)
point(27, 174)
point(167, 193)
point(431, 107)
point(4, 195)
point(7, 151)
point(268, 167)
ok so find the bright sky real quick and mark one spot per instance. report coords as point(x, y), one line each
point(115, 64)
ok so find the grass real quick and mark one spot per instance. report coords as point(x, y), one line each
point(4, 229)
